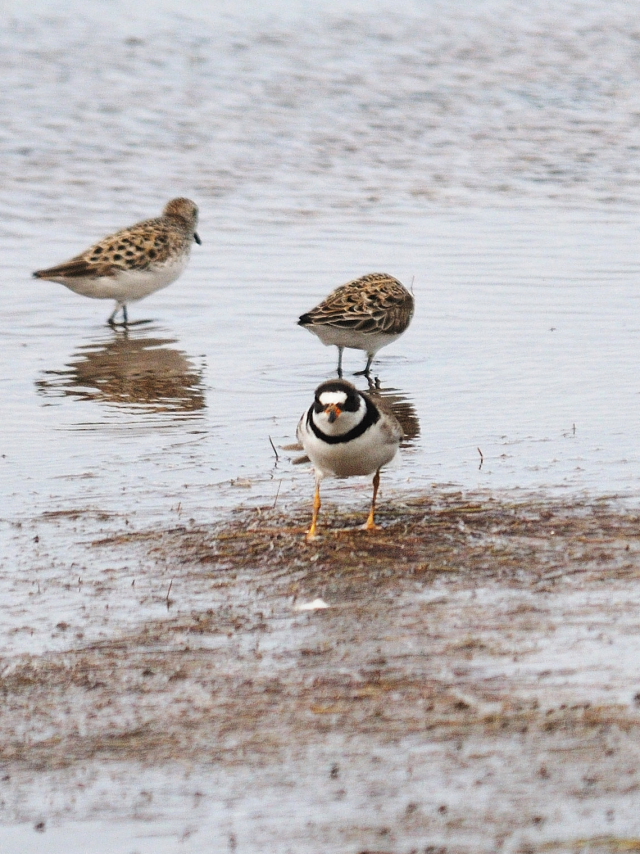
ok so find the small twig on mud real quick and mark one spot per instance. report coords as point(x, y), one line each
point(168, 601)
point(274, 450)
point(481, 459)
point(277, 494)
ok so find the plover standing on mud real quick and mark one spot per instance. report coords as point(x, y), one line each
point(345, 434)
point(134, 262)
point(365, 314)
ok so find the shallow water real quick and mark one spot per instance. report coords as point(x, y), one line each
point(487, 158)
point(306, 148)
point(522, 348)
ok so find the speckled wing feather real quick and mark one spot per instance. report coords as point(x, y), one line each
point(77, 268)
point(134, 248)
point(373, 303)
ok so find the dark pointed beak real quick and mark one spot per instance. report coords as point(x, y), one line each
point(332, 412)
point(197, 238)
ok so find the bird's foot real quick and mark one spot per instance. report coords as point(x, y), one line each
point(371, 526)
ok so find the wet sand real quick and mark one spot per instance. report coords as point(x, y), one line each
point(471, 686)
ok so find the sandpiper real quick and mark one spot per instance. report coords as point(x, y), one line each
point(365, 314)
point(134, 262)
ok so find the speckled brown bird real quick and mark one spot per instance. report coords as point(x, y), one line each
point(134, 262)
point(365, 314)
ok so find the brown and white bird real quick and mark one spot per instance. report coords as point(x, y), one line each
point(365, 314)
point(134, 262)
point(345, 434)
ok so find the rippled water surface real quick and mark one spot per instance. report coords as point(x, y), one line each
point(487, 159)
point(487, 155)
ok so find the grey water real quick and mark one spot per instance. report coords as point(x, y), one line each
point(488, 159)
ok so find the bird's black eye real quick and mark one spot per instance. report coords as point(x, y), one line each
point(352, 403)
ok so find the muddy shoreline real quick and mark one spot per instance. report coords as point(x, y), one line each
point(497, 636)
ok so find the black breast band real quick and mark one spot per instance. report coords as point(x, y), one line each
point(370, 417)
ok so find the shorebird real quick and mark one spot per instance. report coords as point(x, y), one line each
point(345, 434)
point(365, 314)
point(134, 262)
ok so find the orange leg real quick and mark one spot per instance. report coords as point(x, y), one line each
point(317, 504)
point(371, 521)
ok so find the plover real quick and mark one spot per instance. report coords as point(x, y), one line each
point(134, 262)
point(365, 314)
point(345, 434)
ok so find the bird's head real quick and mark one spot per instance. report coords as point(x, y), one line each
point(337, 406)
point(185, 210)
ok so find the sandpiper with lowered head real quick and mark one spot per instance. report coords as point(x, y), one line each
point(365, 314)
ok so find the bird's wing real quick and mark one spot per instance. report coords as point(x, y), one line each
point(374, 303)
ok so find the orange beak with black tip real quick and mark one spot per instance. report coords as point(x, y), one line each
point(333, 411)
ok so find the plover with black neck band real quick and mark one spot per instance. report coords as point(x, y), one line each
point(345, 434)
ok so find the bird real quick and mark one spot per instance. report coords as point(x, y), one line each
point(345, 434)
point(134, 262)
point(365, 314)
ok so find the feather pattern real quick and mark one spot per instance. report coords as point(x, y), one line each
point(134, 262)
point(376, 302)
point(365, 314)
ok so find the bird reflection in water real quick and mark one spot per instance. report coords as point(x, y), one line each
point(132, 372)
point(396, 402)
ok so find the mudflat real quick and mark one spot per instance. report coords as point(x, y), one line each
point(464, 675)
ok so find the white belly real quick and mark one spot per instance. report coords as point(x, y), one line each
point(361, 456)
point(370, 342)
point(127, 285)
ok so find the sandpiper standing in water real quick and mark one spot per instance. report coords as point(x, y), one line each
point(134, 262)
point(365, 314)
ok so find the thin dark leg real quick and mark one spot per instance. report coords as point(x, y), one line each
point(340, 351)
point(365, 373)
point(112, 317)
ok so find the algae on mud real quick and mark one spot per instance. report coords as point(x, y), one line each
point(498, 636)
